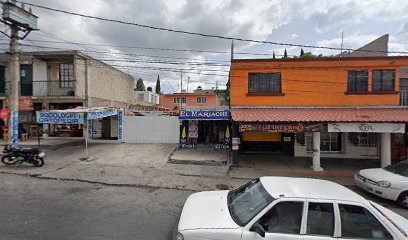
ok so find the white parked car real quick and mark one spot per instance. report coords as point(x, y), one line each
point(287, 208)
point(390, 182)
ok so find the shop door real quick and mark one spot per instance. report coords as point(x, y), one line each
point(26, 79)
point(288, 144)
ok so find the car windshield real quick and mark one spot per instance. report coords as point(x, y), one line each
point(247, 201)
point(400, 168)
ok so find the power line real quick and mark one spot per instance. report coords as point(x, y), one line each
point(200, 34)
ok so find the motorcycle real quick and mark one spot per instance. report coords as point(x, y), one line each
point(20, 155)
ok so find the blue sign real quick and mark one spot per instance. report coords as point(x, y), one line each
point(99, 115)
point(120, 126)
point(201, 114)
point(60, 118)
point(15, 128)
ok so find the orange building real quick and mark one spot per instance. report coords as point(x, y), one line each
point(176, 100)
point(330, 107)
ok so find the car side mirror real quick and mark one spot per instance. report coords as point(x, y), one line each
point(258, 229)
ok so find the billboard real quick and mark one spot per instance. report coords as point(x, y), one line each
point(19, 16)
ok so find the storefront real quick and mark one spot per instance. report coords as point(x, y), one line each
point(205, 128)
point(346, 133)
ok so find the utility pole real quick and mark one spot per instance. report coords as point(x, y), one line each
point(181, 89)
point(188, 82)
point(18, 19)
point(14, 85)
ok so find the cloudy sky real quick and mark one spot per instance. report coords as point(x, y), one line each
point(317, 22)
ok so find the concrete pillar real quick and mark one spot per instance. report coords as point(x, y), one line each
point(385, 149)
point(234, 145)
point(316, 152)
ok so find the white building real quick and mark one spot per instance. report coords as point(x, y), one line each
point(146, 96)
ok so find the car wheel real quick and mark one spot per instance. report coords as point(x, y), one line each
point(403, 200)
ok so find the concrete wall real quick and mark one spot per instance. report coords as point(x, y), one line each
point(147, 96)
point(40, 74)
point(349, 150)
point(80, 76)
point(108, 83)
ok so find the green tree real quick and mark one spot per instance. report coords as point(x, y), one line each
point(285, 54)
point(158, 88)
point(150, 89)
point(301, 52)
point(310, 55)
point(273, 54)
point(140, 85)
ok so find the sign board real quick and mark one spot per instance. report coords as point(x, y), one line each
point(193, 129)
point(367, 127)
point(59, 118)
point(99, 115)
point(25, 103)
point(19, 16)
point(4, 113)
point(282, 128)
point(15, 128)
point(205, 114)
point(235, 143)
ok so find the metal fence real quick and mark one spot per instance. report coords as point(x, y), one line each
point(54, 88)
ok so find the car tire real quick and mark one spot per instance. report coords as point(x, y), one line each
point(403, 200)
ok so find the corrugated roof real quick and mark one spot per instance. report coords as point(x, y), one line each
point(320, 115)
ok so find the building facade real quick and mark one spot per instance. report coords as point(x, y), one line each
point(320, 107)
point(60, 80)
point(146, 96)
point(177, 100)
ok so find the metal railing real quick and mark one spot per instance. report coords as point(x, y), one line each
point(52, 88)
point(403, 97)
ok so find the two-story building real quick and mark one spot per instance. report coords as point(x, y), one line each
point(146, 96)
point(66, 79)
point(320, 107)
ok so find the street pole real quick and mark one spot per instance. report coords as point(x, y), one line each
point(14, 85)
point(181, 89)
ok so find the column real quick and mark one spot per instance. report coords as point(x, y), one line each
point(316, 152)
point(235, 144)
point(385, 149)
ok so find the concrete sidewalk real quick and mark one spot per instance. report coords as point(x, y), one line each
point(202, 156)
point(51, 143)
point(338, 170)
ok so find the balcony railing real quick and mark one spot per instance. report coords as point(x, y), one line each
point(403, 97)
point(54, 88)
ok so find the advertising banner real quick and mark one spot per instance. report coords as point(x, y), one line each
point(205, 114)
point(367, 127)
point(193, 129)
point(281, 127)
point(59, 118)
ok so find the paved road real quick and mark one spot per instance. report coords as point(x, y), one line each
point(48, 209)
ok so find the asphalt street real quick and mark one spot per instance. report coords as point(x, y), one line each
point(48, 209)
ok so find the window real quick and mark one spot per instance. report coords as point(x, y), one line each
point(357, 222)
point(201, 99)
point(247, 201)
point(66, 75)
point(140, 96)
point(264, 83)
point(357, 81)
point(320, 219)
point(329, 142)
point(176, 100)
point(383, 80)
point(183, 100)
point(284, 217)
point(367, 140)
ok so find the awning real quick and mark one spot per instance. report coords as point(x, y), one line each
point(320, 115)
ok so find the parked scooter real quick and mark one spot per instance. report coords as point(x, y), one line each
point(20, 155)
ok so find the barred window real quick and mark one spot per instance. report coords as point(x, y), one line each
point(176, 100)
point(383, 80)
point(264, 83)
point(201, 100)
point(66, 74)
point(357, 81)
point(367, 140)
point(183, 100)
point(329, 142)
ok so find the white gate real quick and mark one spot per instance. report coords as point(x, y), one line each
point(151, 129)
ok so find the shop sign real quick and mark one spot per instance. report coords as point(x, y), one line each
point(281, 128)
point(99, 115)
point(25, 103)
point(120, 125)
point(367, 127)
point(202, 145)
point(205, 114)
point(60, 117)
point(193, 129)
point(235, 143)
